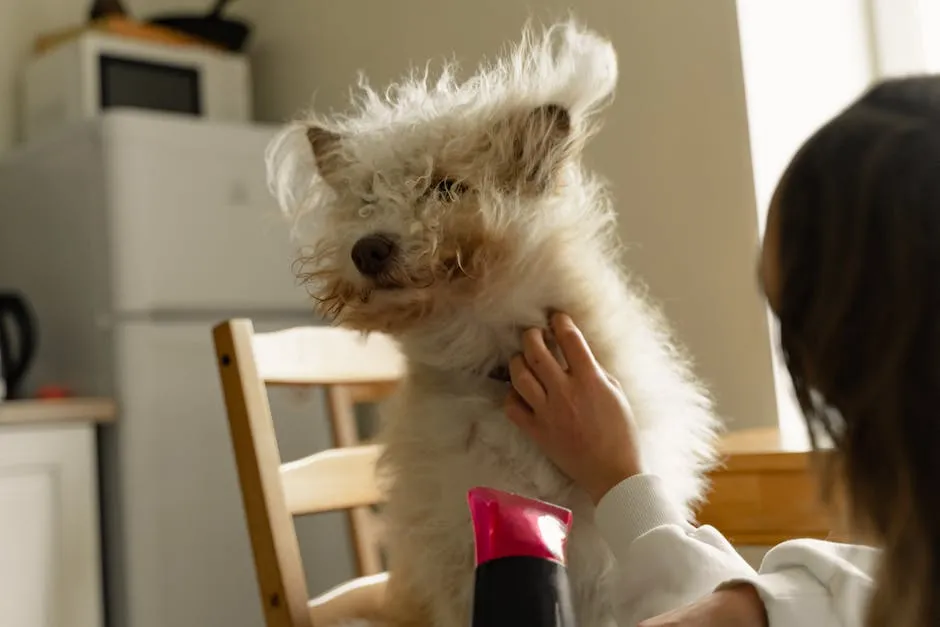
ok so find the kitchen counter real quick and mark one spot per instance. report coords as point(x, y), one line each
point(66, 410)
point(767, 490)
point(764, 492)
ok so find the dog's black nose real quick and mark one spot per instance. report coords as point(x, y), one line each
point(372, 253)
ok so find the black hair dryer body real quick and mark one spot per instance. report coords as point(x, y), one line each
point(17, 342)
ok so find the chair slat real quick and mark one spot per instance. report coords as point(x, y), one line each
point(327, 356)
point(331, 480)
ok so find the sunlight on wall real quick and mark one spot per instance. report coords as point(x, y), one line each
point(930, 33)
point(804, 60)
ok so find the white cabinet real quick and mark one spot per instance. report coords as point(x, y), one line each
point(50, 557)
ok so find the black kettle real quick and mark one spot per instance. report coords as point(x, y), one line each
point(17, 342)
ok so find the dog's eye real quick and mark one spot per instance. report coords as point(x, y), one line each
point(448, 189)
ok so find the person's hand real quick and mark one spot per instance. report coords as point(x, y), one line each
point(737, 606)
point(579, 417)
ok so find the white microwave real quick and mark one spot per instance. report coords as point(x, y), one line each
point(95, 71)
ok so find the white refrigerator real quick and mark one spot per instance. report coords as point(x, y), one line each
point(132, 234)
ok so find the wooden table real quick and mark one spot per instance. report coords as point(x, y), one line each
point(50, 569)
point(766, 491)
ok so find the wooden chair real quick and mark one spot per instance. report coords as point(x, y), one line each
point(352, 369)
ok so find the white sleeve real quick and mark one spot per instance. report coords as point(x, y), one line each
point(663, 563)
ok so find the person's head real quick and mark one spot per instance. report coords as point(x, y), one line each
point(851, 269)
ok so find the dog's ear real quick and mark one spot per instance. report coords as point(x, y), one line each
point(539, 142)
point(326, 146)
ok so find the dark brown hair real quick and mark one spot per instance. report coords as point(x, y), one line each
point(859, 313)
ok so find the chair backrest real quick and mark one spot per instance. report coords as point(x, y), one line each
point(353, 368)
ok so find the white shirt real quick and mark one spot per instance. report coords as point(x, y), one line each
point(665, 563)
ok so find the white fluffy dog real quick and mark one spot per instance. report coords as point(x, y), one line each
point(453, 216)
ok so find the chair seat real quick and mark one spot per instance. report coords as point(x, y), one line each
point(360, 598)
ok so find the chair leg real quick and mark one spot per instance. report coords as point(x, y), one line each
point(365, 537)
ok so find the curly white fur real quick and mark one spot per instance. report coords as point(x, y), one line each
point(495, 222)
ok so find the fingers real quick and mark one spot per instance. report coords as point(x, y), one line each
point(525, 382)
point(615, 382)
point(540, 360)
point(572, 344)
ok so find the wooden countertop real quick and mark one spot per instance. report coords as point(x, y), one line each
point(767, 490)
point(65, 410)
point(765, 448)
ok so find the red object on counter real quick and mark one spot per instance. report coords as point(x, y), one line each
point(52, 392)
